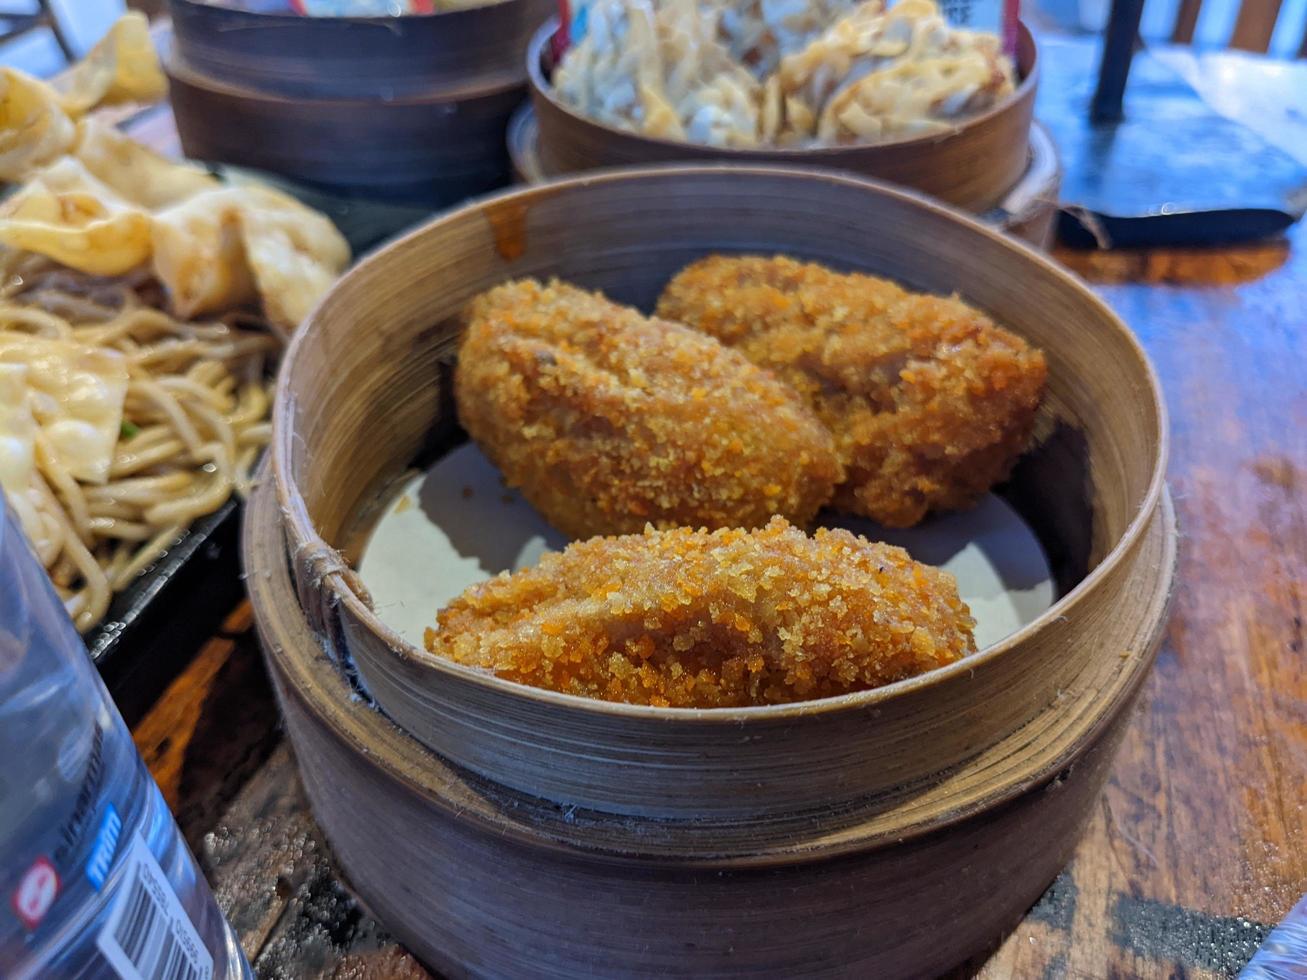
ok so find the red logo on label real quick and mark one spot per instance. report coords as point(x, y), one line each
point(36, 892)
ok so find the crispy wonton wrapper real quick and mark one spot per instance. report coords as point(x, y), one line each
point(224, 247)
point(113, 205)
point(122, 67)
point(67, 214)
point(37, 119)
point(199, 253)
point(295, 253)
point(135, 171)
point(76, 397)
point(99, 202)
point(33, 128)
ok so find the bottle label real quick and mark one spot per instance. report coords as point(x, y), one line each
point(104, 848)
point(36, 892)
point(149, 935)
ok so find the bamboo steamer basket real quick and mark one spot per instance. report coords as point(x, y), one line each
point(435, 149)
point(1027, 210)
point(364, 393)
point(477, 880)
point(355, 57)
point(973, 165)
point(405, 109)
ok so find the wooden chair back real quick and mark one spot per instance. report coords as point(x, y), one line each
point(1252, 28)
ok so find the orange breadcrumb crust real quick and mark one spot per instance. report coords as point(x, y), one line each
point(609, 420)
point(703, 619)
point(930, 402)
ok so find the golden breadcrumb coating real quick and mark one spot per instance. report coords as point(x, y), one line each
point(930, 402)
point(609, 420)
point(699, 619)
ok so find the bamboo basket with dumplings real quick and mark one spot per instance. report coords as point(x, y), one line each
point(975, 164)
point(499, 829)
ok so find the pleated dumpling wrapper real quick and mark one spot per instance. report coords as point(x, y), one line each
point(113, 206)
point(38, 119)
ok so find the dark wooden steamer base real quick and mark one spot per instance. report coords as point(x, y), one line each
point(405, 109)
point(973, 165)
point(479, 881)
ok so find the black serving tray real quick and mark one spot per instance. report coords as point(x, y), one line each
point(157, 624)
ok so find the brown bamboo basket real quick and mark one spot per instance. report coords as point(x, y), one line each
point(364, 394)
point(477, 880)
point(1028, 209)
point(410, 109)
point(973, 165)
point(355, 57)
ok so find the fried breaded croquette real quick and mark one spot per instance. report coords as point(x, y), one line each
point(930, 402)
point(701, 619)
point(608, 420)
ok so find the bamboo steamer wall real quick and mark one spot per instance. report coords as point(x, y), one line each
point(973, 165)
point(373, 360)
point(355, 57)
point(479, 881)
point(408, 109)
point(1027, 210)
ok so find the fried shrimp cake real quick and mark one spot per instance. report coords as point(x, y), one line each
point(703, 619)
point(608, 420)
point(930, 403)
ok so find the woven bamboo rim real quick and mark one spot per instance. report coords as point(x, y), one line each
point(1027, 210)
point(1032, 756)
point(368, 362)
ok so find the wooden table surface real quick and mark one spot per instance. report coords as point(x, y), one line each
point(1196, 848)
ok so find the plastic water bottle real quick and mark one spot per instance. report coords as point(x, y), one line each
point(95, 879)
point(1284, 954)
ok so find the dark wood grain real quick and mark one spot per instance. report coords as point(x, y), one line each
point(1186, 21)
point(212, 729)
point(1194, 849)
point(1197, 836)
point(1255, 25)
